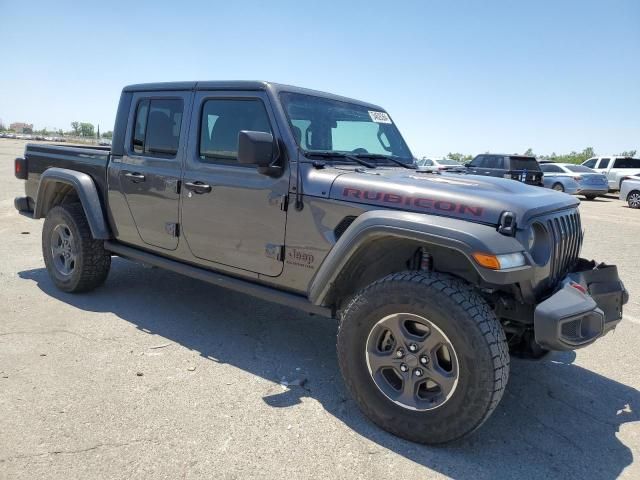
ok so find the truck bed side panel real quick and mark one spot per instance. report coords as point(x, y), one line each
point(90, 160)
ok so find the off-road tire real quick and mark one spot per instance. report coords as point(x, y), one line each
point(92, 261)
point(469, 323)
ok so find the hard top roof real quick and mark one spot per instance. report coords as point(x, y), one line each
point(246, 85)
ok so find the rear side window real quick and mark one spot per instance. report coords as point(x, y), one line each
point(524, 163)
point(222, 121)
point(157, 127)
point(493, 161)
point(604, 163)
point(547, 168)
point(627, 163)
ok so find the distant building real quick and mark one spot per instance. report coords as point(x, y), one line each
point(20, 127)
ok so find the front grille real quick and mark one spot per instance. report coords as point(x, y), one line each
point(566, 236)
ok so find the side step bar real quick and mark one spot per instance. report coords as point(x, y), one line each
point(219, 279)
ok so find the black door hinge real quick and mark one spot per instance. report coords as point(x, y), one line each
point(172, 229)
point(274, 251)
point(284, 203)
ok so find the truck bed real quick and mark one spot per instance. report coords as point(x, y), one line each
point(88, 159)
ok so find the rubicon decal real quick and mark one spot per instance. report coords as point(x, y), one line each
point(422, 203)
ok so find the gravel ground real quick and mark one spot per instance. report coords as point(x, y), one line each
point(158, 376)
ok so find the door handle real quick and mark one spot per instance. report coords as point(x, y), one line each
point(135, 177)
point(197, 187)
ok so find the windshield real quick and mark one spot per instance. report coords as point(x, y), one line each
point(447, 161)
point(579, 168)
point(324, 125)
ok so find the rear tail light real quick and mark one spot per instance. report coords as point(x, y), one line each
point(20, 168)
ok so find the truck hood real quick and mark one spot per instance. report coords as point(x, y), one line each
point(470, 197)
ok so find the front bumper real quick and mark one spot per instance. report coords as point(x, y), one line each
point(570, 318)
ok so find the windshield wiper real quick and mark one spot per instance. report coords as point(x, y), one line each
point(410, 166)
point(353, 158)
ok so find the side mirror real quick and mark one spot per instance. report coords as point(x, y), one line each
point(255, 148)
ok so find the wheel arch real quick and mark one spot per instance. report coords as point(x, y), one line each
point(61, 185)
point(379, 243)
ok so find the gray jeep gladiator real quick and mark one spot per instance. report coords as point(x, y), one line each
point(313, 200)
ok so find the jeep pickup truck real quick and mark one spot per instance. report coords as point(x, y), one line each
point(313, 200)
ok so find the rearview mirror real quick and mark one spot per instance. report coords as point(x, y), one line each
point(255, 148)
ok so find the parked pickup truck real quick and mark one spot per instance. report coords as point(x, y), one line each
point(521, 168)
point(313, 200)
point(615, 168)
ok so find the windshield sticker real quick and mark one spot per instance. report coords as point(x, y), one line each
point(379, 117)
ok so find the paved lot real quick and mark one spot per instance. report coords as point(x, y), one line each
point(158, 376)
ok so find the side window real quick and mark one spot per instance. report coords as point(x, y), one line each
point(591, 163)
point(493, 161)
point(221, 122)
point(548, 168)
point(604, 162)
point(427, 163)
point(477, 162)
point(157, 127)
point(140, 126)
point(626, 163)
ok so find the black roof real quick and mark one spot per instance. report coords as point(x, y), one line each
point(246, 85)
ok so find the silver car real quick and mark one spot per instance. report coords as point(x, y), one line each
point(574, 179)
point(439, 165)
point(630, 191)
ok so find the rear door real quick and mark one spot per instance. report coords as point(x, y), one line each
point(231, 214)
point(152, 163)
point(552, 174)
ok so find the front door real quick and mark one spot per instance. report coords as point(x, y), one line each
point(231, 214)
point(151, 166)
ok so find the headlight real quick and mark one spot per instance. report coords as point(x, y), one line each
point(538, 243)
point(531, 238)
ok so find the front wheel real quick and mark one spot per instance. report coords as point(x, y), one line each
point(76, 262)
point(423, 356)
point(558, 187)
point(633, 199)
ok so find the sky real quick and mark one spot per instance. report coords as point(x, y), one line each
point(456, 76)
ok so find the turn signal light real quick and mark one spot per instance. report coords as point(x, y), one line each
point(487, 261)
point(500, 262)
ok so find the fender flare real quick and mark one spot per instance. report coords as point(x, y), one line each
point(456, 234)
point(86, 189)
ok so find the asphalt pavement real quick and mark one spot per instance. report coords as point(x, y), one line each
point(155, 375)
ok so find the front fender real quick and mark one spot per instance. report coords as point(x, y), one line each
point(87, 192)
point(456, 234)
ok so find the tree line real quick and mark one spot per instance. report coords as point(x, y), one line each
point(573, 157)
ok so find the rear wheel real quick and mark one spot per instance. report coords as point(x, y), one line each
point(633, 199)
point(76, 262)
point(423, 356)
point(558, 187)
